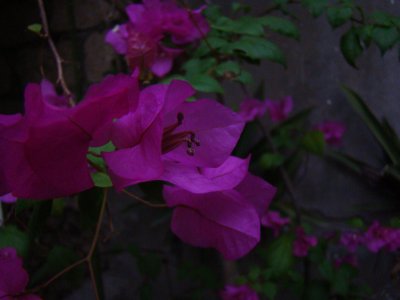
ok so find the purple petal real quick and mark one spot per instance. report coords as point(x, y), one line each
point(13, 277)
point(8, 198)
point(221, 220)
point(197, 180)
point(250, 109)
point(116, 37)
point(259, 192)
point(214, 125)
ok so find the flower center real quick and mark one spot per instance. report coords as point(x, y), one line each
point(172, 139)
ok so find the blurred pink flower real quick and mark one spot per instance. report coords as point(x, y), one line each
point(250, 109)
point(13, 277)
point(351, 240)
point(349, 259)
point(8, 198)
point(278, 110)
point(378, 237)
point(333, 131)
point(238, 292)
point(303, 242)
point(274, 220)
point(140, 40)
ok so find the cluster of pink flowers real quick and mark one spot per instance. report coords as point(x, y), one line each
point(238, 292)
point(157, 135)
point(278, 110)
point(375, 238)
point(303, 243)
point(332, 131)
point(141, 39)
point(13, 277)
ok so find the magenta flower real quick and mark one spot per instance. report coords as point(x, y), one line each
point(351, 240)
point(8, 198)
point(333, 132)
point(303, 242)
point(29, 169)
point(13, 277)
point(275, 221)
point(140, 40)
point(167, 138)
point(241, 292)
point(228, 220)
point(348, 259)
point(278, 110)
point(378, 237)
point(250, 109)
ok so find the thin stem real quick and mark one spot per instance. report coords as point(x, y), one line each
point(56, 54)
point(87, 259)
point(145, 202)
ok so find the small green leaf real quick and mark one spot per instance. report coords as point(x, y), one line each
point(314, 142)
point(11, 236)
point(381, 18)
point(109, 147)
point(357, 223)
point(351, 46)
point(282, 26)
point(244, 25)
point(228, 66)
point(36, 28)
point(101, 180)
point(337, 16)
point(257, 48)
point(205, 83)
point(395, 222)
point(271, 160)
point(269, 289)
point(385, 37)
point(365, 34)
point(279, 254)
point(342, 280)
point(316, 7)
point(57, 207)
point(244, 77)
point(254, 273)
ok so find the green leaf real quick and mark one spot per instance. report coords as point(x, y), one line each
point(357, 223)
point(316, 7)
point(228, 66)
point(254, 273)
point(351, 46)
point(282, 26)
point(244, 77)
point(385, 140)
point(56, 260)
point(381, 18)
point(198, 66)
point(365, 34)
point(385, 37)
point(279, 254)
point(205, 83)
point(101, 180)
point(395, 222)
point(109, 147)
point(314, 142)
point(57, 207)
point(269, 289)
point(346, 160)
point(11, 236)
point(271, 160)
point(257, 48)
point(342, 280)
point(244, 25)
point(36, 28)
point(337, 16)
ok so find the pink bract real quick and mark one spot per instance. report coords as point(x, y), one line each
point(228, 220)
point(241, 292)
point(13, 277)
point(303, 243)
point(43, 153)
point(333, 132)
point(278, 110)
point(250, 109)
point(275, 221)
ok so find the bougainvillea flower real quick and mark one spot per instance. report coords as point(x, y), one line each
point(348, 259)
point(351, 240)
point(333, 132)
point(165, 132)
point(13, 277)
point(250, 109)
point(278, 110)
point(377, 237)
point(43, 154)
point(303, 242)
point(161, 17)
point(228, 221)
point(241, 292)
point(275, 221)
point(140, 40)
point(8, 198)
